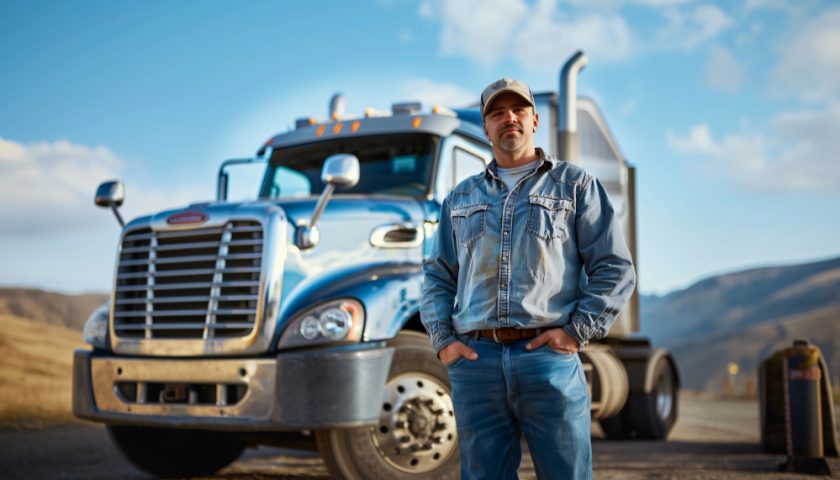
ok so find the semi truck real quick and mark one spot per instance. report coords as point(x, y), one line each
point(293, 319)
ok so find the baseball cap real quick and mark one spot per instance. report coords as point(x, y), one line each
point(505, 85)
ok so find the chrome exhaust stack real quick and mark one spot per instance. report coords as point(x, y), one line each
point(567, 134)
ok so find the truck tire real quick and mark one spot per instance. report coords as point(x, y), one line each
point(651, 415)
point(166, 452)
point(415, 437)
point(617, 427)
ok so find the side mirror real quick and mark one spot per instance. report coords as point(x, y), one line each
point(340, 170)
point(111, 195)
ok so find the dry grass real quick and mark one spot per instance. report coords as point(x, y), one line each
point(36, 362)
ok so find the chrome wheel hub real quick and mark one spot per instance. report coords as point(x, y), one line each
point(664, 396)
point(416, 431)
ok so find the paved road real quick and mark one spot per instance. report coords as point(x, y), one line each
point(712, 440)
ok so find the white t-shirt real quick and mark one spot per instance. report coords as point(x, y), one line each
point(512, 175)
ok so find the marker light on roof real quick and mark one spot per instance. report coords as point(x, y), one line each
point(355, 126)
point(416, 122)
point(337, 128)
point(441, 110)
point(320, 131)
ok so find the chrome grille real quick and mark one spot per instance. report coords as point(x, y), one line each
point(189, 284)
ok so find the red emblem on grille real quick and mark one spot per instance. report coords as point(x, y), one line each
point(187, 218)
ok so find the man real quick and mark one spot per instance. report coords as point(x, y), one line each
point(528, 265)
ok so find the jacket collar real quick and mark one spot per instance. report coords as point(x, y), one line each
point(545, 160)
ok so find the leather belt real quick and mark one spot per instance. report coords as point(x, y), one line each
point(508, 334)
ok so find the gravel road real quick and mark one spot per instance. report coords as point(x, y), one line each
point(712, 440)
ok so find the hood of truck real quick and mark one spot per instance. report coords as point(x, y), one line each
point(353, 230)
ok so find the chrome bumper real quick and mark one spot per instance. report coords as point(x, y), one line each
point(307, 390)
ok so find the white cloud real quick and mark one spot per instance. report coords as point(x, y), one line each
point(492, 30)
point(481, 29)
point(754, 5)
point(796, 152)
point(48, 187)
point(809, 63)
point(606, 37)
point(616, 4)
point(723, 71)
point(430, 93)
point(687, 29)
point(661, 3)
point(540, 34)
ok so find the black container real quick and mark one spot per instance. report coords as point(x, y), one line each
point(803, 412)
point(797, 410)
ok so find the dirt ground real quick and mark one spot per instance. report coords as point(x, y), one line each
point(713, 439)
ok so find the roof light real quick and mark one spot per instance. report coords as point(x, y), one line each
point(441, 110)
point(355, 126)
point(372, 112)
point(305, 122)
point(320, 131)
point(416, 122)
point(337, 128)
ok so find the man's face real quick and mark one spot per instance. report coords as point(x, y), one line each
point(510, 123)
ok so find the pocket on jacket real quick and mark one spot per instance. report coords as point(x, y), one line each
point(468, 223)
point(547, 216)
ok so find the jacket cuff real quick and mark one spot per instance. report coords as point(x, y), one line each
point(579, 330)
point(440, 343)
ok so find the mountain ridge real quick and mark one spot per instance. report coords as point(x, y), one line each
point(51, 308)
point(744, 316)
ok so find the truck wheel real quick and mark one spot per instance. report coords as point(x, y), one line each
point(166, 452)
point(617, 427)
point(649, 415)
point(654, 414)
point(415, 437)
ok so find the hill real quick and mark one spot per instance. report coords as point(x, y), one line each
point(51, 308)
point(742, 317)
point(36, 362)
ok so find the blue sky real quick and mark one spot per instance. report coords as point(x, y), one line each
point(729, 110)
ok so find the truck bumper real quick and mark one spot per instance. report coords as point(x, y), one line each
point(308, 390)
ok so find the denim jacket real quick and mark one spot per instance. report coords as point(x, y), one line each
point(548, 253)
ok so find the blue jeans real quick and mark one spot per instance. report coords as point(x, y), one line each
point(509, 391)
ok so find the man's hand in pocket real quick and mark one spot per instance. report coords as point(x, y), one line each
point(456, 350)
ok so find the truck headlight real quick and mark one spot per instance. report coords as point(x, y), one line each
point(335, 322)
point(340, 321)
point(96, 327)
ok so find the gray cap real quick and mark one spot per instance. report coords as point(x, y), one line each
point(505, 85)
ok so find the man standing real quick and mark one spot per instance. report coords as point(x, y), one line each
point(528, 265)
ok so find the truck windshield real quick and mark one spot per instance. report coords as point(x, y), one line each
point(390, 165)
